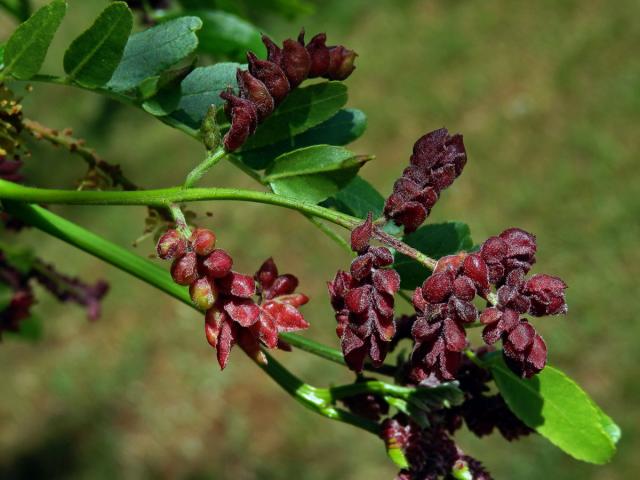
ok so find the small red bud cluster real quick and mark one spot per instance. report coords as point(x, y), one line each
point(430, 452)
point(443, 304)
point(363, 301)
point(268, 82)
point(240, 309)
point(438, 159)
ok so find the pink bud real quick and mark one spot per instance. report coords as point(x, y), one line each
point(203, 293)
point(184, 269)
point(203, 241)
point(171, 245)
point(217, 264)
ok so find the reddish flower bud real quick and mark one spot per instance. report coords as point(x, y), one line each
point(387, 281)
point(464, 289)
point(494, 250)
point(319, 54)
point(295, 62)
point(271, 75)
point(255, 91)
point(283, 285)
point(361, 235)
point(452, 263)
point(184, 270)
point(525, 351)
point(341, 63)
point(267, 273)
point(203, 293)
point(217, 264)
point(268, 82)
point(203, 241)
point(547, 295)
point(437, 287)
point(274, 52)
point(476, 269)
point(438, 158)
point(171, 245)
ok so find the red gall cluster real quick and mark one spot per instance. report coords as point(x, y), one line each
point(430, 452)
point(268, 82)
point(363, 301)
point(240, 309)
point(443, 304)
point(437, 160)
point(509, 258)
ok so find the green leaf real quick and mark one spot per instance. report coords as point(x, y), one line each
point(303, 109)
point(152, 51)
point(358, 198)
point(2, 46)
point(559, 410)
point(226, 34)
point(313, 173)
point(343, 128)
point(92, 57)
point(31, 330)
point(201, 89)
point(161, 93)
point(435, 240)
point(27, 47)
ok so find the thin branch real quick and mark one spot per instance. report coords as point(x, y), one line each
point(317, 399)
point(77, 146)
point(202, 168)
point(167, 196)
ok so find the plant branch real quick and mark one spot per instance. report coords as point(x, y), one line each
point(202, 168)
point(316, 399)
point(167, 196)
point(77, 146)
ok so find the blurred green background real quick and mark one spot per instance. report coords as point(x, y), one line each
point(547, 95)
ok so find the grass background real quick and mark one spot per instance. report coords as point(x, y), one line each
point(547, 95)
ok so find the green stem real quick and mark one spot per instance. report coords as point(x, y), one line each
point(165, 197)
point(372, 386)
point(201, 169)
point(315, 399)
point(180, 221)
point(11, 10)
point(331, 234)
